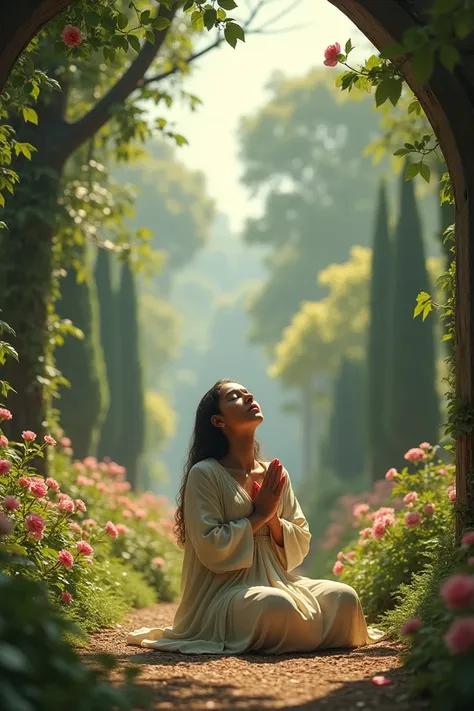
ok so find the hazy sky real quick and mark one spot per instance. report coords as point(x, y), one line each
point(231, 83)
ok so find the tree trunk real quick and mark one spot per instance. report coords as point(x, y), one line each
point(21, 21)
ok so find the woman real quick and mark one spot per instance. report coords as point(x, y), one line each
point(243, 533)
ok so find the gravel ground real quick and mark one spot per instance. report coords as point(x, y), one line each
point(329, 681)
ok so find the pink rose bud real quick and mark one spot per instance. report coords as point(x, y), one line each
point(35, 523)
point(331, 54)
point(414, 455)
point(71, 36)
point(338, 567)
point(111, 529)
point(425, 446)
point(158, 562)
point(38, 488)
point(378, 530)
point(50, 440)
point(80, 505)
point(3, 441)
point(52, 484)
point(66, 597)
point(460, 637)
point(468, 539)
point(410, 497)
point(5, 466)
point(391, 474)
point(121, 528)
point(411, 626)
point(84, 548)
point(5, 414)
point(412, 519)
point(458, 591)
point(10, 503)
point(452, 495)
point(66, 442)
point(429, 508)
point(28, 436)
point(24, 481)
point(66, 558)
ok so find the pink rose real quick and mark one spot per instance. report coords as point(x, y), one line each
point(5, 466)
point(429, 508)
point(331, 54)
point(74, 527)
point(460, 637)
point(5, 414)
point(28, 436)
point(71, 36)
point(84, 481)
point(10, 503)
point(89, 522)
point(468, 539)
point(340, 555)
point(3, 441)
point(50, 440)
point(35, 523)
point(158, 562)
point(78, 466)
point(90, 462)
point(458, 591)
point(84, 548)
point(410, 497)
point(411, 626)
point(452, 495)
point(381, 680)
point(66, 558)
point(66, 597)
point(378, 530)
point(391, 474)
point(425, 446)
point(366, 532)
point(111, 529)
point(66, 505)
point(52, 484)
point(38, 535)
point(38, 488)
point(6, 525)
point(80, 505)
point(66, 442)
point(414, 455)
point(121, 528)
point(338, 567)
point(412, 519)
point(351, 555)
point(359, 510)
point(24, 481)
point(443, 471)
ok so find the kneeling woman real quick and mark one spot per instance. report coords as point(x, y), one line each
point(243, 533)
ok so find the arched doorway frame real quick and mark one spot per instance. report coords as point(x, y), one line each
point(448, 103)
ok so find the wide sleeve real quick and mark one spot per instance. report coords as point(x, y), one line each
point(220, 546)
point(296, 534)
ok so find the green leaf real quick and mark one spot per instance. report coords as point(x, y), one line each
point(449, 56)
point(180, 140)
point(414, 107)
point(221, 15)
point(395, 90)
point(425, 171)
point(150, 36)
point(161, 23)
point(145, 17)
point(412, 171)
point(197, 21)
point(14, 548)
point(422, 62)
point(348, 46)
point(30, 115)
point(382, 93)
point(2, 200)
point(188, 5)
point(401, 152)
point(232, 33)
point(372, 62)
point(35, 90)
point(134, 42)
point(122, 20)
point(210, 18)
point(227, 4)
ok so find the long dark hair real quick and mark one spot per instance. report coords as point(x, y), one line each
point(207, 442)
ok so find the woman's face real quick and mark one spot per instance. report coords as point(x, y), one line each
point(239, 409)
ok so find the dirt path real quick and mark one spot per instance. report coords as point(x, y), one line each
point(329, 681)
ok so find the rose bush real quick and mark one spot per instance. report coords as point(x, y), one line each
point(394, 542)
point(98, 548)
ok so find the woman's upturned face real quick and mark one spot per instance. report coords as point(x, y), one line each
point(238, 407)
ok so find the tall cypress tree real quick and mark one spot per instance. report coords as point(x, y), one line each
point(344, 449)
point(378, 340)
point(132, 425)
point(82, 406)
point(110, 338)
point(413, 405)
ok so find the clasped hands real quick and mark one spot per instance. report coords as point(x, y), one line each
point(268, 496)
